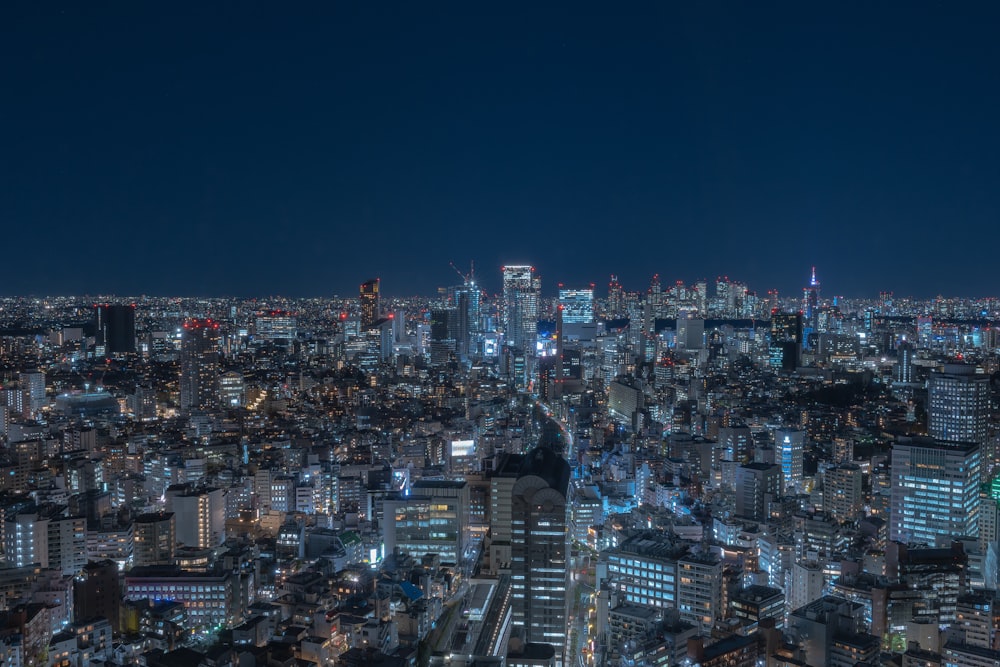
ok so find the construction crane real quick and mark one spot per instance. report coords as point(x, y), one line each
point(470, 278)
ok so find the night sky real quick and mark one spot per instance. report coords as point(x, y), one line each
point(298, 149)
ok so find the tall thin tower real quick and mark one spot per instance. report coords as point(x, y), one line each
point(199, 365)
point(540, 591)
point(810, 299)
point(521, 290)
point(370, 304)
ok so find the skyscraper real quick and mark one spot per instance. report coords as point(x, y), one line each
point(577, 305)
point(115, 328)
point(521, 289)
point(370, 303)
point(540, 549)
point(199, 365)
point(790, 445)
point(810, 300)
point(958, 404)
point(904, 362)
point(934, 490)
point(786, 340)
point(444, 323)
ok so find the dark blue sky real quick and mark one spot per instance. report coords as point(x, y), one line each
point(255, 149)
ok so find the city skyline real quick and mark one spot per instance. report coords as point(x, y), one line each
point(447, 335)
point(300, 153)
point(491, 286)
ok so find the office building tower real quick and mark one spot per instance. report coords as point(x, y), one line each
point(276, 325)
point(232, 390)
point(643, 569)
point(462, 326)
point(443, 344)
point(958, 404)
point(502, 482)
point(934, 490)
point(690, 332)
point(154, 539)
point(786, 340)
point(540, 549)
point(904, 362)
point(199, 365)
point(756, 484)
point(521, 290)
point(657, 571)
point(432, 519)
point(790, 447)
point(466, 302)
point(577, 305)
point(371, 305)
point(115, 328)
point(616, 299)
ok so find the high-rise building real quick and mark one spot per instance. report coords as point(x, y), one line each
point(904, 362)
point(653, 570)
point(33, 384)
point(96, 592)
point(115, 328)
point(842, 491)
point(786, 340)
point(26, 539)
point(699, 589)
point(431, 520)
point(443, 326)
point(810, 300)
point(155, 539)
point(371, 305)
point(199, 365)
point(276, 325)
point(501, 488)
point(540, 549)
point(934, 490)
point(232, 390)
point(521, 291)
point(201, 517)
point(756, 483)
point(616, 299)
point(958, 404)
point(690, 332)
point(789, 444)
point(466, 302)
point(577, 305)
point(67, 543)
